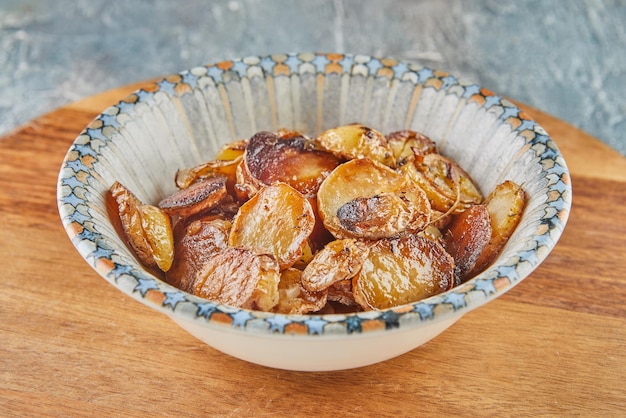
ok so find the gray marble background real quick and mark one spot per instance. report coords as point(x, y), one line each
point(567, 58)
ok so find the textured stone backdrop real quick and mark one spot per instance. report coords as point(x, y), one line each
point(565, 57)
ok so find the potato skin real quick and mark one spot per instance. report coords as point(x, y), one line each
point(289, 158)
point(194, 243)
point(128, 209)
point(198, 197)
point(505, 205)
point(238, 277)
point(466, 238)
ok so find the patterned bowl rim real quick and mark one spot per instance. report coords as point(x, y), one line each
point(129, 277)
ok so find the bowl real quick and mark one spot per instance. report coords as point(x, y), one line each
point(185, 118)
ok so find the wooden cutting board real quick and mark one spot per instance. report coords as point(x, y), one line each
point(71, 344)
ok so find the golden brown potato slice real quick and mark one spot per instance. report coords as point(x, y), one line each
point(130, 217)
point(157, 228)
point(402, 270)
point(466, 238)
point(198, 197)
point(293, 159)
point(338, 260)
point(505, 205)
point(278, 220)
point(365, 199)
point(406, 144)
point(358, 141)
point(216, 168)
point(341, 292)
point(295, 299)
point(446, 184)
point(194, 243)
point(238, 277)
point(232, 151)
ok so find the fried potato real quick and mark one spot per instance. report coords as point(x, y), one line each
point(232, 151)
point(338, 260)
point(216, 168)
point(341, 292)
point(278, 220)
point(194, 243)
point(292, 159)
point(365, 199)
point(466, 238)
point(505, 205)
point(157, 228)
point(406, 144)
point(198, 197)
point(238, 277)
point(130, 218)
point(293, 298)
point(358, 141)
point(402, 270)
point(446, 184)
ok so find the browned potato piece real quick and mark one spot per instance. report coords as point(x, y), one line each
point(402, 270)
point(341, 292)
point(130, 217)
point(294, 160)
point(216, 168)
point(446, 184)
point(194, 243)
point(358, 141)
point(157, 228)
point(465, 239)
point(338, 260)
point(196, 198)
point(365, 199)
point(232, 151)
point(505, 205)
point(406, 144)
point(278, 220)
point(295, 299)
point(240, 278)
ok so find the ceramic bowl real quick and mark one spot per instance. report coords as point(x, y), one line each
point(183, 120)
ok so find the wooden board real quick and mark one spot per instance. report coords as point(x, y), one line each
point(71, 344)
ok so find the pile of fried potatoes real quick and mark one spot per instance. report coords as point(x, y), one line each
point(351, 220)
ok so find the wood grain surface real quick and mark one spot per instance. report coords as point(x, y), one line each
point(73, 345)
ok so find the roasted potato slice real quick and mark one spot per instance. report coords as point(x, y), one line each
point(157, 228)
point(128, 209)
point(505, 205)
point(293, 298)
point(232, 151)
point(406, 144)
point(365, 199)
point(402, 270)
point(216, 168)
point(194, 243)
point(338, 260)
point(238, 277)
point(198, 197)
point(358, 141)
point(447, 185)
point(278, 220)
point(466, 238)
point(293, 159)
point(341, 292)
